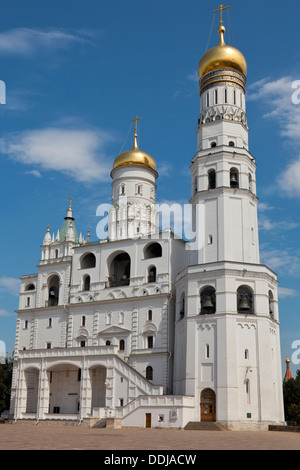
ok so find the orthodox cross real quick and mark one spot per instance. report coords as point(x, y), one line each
point(70, 202)
point(135, 120)
point(220, 9)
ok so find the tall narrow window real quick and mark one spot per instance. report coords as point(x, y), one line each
point(247, 385)
point(152, 274)
point(83, 320)
point(234, 96)
point(28, 302)
point(271, 304)
point(149, 315)
point(50, 323)
point(122, 345)
point(150, 342)
point(225, 95)
point(207, 100)
point(149, 373)
point(207, 351)
point(211, 179)
point(87, 283)
point(216, 96)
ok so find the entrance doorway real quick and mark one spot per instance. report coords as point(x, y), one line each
point(208, 405)
point(148, 420)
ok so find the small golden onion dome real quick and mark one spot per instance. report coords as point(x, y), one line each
point(287, 360)
point(135, 156)
point(222, 56)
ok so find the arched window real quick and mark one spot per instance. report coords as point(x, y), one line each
point(50, 323)
point(245, 300)
point(122, 345)
point(149, 316)
point(211, 179)
point(119, 270)
point(88, 261)
point(53, 284)
point(121, 318)
point(152, 274)
point(86, 283)
point(149, 373)
point(208, 301)
point(234, 178)
point(56, 254)
point(108, 318)
point(29, 287)
point(108, 343)
point(213, 145)
point(83, 320)
point(28, 302)
point(154, 250)
point(231, 144)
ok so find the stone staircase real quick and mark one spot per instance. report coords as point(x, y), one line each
point(204, 426)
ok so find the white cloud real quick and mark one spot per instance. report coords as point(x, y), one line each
point(34, 173)
point(284, 292)
point(4, 313)
point(78, 153)
point(277, 96)
point(284, 262)
point(26, 41)
point(266, 224)
point(10, 285)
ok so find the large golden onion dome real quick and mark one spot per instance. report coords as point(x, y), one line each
point(135, 156)
point(221, 57)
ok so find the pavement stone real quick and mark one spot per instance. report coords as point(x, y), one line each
point(57, 437)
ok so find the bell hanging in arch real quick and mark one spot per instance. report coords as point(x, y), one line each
point(244, 303)
point(208, 302)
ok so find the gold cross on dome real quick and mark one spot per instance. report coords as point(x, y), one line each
point(220, 9)
point(135, 120)
point(70, 202)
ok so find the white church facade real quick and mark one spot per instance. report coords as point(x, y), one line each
point(145, 329)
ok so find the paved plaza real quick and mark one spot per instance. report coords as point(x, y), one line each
point(62, 437)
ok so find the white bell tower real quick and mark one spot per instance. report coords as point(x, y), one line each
point(227, 302)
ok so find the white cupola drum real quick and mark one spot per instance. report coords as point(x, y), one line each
point(133, 212)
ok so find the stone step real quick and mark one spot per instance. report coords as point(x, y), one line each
point(203, 426)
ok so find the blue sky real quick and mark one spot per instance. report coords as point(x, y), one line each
point(76, 73)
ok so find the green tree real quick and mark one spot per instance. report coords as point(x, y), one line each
point(291, 397)
point(5, 384)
